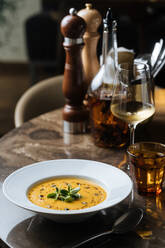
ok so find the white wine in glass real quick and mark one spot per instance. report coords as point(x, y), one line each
point(133, 100)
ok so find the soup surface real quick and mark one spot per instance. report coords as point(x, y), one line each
point(90, 194)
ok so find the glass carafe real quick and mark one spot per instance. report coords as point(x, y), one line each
point(106, 129)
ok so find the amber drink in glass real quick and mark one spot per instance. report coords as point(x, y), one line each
point(147, 159)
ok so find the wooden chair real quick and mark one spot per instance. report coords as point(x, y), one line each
point(40, 98)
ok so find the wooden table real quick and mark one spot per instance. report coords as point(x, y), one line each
point(43, 139)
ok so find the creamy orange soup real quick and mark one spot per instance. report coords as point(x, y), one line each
point(91, 194)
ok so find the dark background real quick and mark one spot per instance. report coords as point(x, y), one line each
point(140, 25)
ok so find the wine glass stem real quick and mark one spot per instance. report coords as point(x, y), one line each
point(132, 133)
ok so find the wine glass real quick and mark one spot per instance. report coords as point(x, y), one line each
point(133, 100)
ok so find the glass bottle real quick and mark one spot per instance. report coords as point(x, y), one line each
point(106, 129)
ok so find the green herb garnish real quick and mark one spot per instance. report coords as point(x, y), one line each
point(67, 195)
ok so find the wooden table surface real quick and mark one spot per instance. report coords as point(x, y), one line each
point(43, 139)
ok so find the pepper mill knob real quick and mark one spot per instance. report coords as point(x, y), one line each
point(75, 115)
point(90, 61)
point(73, 11)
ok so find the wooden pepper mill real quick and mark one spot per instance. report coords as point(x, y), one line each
point(90, 61)
point(75, 115)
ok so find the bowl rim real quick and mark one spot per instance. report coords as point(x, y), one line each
point(32, 207)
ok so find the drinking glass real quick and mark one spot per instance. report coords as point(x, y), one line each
point(147, 160)
point(132, 99)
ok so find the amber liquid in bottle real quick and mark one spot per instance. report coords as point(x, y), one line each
point(107, 130)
